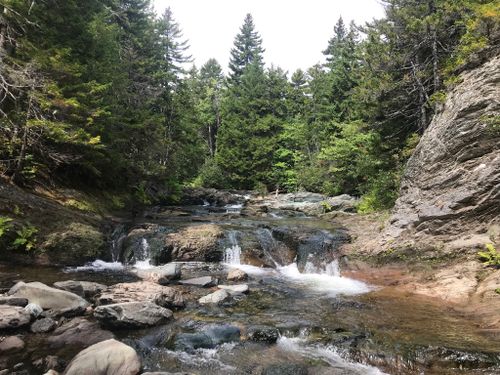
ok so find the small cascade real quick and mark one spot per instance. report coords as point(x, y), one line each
point(268, 243)
point(117, 237)
point(143, 257)
point(330, 269)
point(233, 208)
point(232, 254)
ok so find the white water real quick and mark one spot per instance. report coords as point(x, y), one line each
point(145, 258)
point(233, 208)
point(98, 265)
point(328, 354)
point(232, 254)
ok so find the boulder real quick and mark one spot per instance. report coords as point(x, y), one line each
point(132, 315)
point(202, 282)
point(108, 357)
point(13, 301)
point(50, 363)
point(142, 291)
point(43, 325)
point(195, 243)
point(235, 289)
point(34, 310)
point(450, 183)
point(208, 338)
point(11, 344)
point(237, 275)
point(79, 333)
point(214, 298)
point(56, 302)
point(86, 289)
point(162, 275)
point(13, 317)
point(263, 334)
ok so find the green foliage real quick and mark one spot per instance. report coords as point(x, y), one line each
point(490, 257)
point(5, 225)
point(80, 205)
point(493, 124)
point(26, 238)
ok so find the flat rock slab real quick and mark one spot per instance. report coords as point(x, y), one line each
point(78, 332)
point(142, 291)
point(235, 289)
point(56, 302)
point(132, 315)
point(162, 275)
point(13, 317)
point(214, 298)
point(13, 301)
point(202, 282)
point(86, 289)
point(108, 357)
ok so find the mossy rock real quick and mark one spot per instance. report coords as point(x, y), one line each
point(74, 244)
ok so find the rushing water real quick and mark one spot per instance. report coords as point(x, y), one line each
point(325, 323)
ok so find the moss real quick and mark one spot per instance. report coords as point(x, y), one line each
point(81, 205)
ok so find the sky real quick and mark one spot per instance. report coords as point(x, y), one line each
point(294, 32)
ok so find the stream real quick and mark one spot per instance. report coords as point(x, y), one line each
point(307, 318)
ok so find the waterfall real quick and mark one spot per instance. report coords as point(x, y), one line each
point(232, 254)
point(143, 257)
point(117, 237)
point(268, 243)
point(330, 269)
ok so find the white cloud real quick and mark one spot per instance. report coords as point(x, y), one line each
point(294, 32)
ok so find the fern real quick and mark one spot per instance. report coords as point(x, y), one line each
point(490, 257)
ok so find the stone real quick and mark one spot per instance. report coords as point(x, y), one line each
point(43, 325)
point(263, 334)
point(13, 317)
point(214, 298)
point(50, 363)
point(208, 338)
point(86, 289)
point(202, 282)
point(235, 289)
point(450, 183)
point(286, 369)
point(11, 344)
point(13, 301)
point(162, 275)
point(79, 333)
point(132, 315)
point(142, 291)
point(55, 302)
point(237, 275)
point(108, 357)
point(34, 310)
point(195, 243)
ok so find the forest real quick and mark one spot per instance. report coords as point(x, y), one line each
point(102, 95)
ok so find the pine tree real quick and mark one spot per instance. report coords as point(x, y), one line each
point(247, 49)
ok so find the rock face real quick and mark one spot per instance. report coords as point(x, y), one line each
point(86, 289)
point(452, 180)
point(142, 291)
point(198, 243)
point(56, 302)
point(108, 357)
point(79, 333)
point(132, 315)
point(13, 317)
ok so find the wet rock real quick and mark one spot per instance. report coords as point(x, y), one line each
point(34, 310)
point(56, 302)
point(235, 289)
point(43, 325)
point(13, 301)
point(162, 275)
point(50, 363)
point(202, 282)
point(13, 317)
point(263, 334)
point(142, 291)
point(214, 298)
point(150, 236)
point(86, 289)
point(51, 372)
point(132, 315)
point(237, 275)
point(79, 333)
point(208, 338)
point(198, 196)
point(11, 344)
point(108, 357)
point(285, 369)
point(166, 373)
point(199, 242)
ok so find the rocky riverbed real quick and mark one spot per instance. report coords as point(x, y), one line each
point(235, 285)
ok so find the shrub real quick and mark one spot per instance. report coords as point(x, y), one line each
point(490, 257)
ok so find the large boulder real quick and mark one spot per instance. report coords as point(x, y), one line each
point(142, 291)
point(56, 302)
point(132, 315)
point(237, 275)
point(78, 333)
point(86, 289)
point(451, 182)
point(162, 275)
point(13, 317)
point(195, 243)
point(108, 357)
